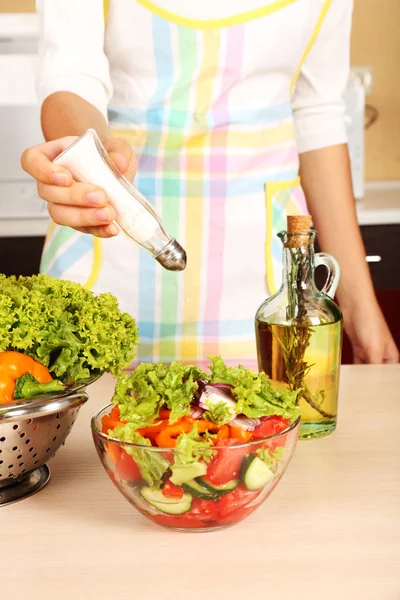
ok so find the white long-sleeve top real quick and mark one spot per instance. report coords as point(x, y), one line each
point(117, 65)
point(217, 99)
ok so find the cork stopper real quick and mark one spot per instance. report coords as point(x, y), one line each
point(300, 223)
point(296, 226)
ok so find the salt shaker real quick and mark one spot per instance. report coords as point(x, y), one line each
point(88, 161)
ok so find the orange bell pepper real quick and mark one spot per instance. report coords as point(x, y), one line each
point(167, 437)
point(113, 451)
point(109, 423)
point(240, 434)
point(114, 414)
point(12, 366)
point(223, 433)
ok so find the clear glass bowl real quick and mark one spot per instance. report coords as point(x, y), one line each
point(202, 508)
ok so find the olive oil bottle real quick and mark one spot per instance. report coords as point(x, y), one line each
point(299, 331)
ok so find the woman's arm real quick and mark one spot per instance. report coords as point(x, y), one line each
point(74, 87)
point(326, 179)
point(65, 113)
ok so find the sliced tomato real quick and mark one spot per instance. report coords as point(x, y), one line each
point(127, 469)
point(239, 498)
point(226, 464)
point(270, 426)
point(172, 491)
point(206, 510)
point(184, 521)
point(234, 517)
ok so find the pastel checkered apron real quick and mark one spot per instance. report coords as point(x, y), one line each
point(217, 158)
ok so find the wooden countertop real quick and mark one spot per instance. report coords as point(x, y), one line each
point(330, 530)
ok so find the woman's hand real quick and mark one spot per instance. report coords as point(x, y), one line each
point(82, 206)
point(369, 334)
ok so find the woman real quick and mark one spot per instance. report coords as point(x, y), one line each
point(224, 104)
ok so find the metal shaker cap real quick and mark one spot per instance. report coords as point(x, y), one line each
point(172, 257)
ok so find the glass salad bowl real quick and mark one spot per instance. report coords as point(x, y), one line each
point(228, 483)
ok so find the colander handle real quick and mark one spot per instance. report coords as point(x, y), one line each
point(41, 406)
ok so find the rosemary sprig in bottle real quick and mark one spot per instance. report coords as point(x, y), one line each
point(296, 338)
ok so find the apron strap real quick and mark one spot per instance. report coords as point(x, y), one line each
point(311, 42)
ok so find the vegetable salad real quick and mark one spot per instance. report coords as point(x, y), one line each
point(196, 451)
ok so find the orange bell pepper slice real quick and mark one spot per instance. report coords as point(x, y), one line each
point(167, 437)
point(109, 423)
point(223, 433)
point(240, 434)
point(152, 430)
point(114, 414)
point(113, 451)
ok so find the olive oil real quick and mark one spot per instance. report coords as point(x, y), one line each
point(320, 365)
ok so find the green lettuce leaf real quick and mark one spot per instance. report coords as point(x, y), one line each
point(220, 373)
point(255, 394)
point(271, 459)
point(139, 402)
point(191, 448)
point(141, 394)
point(218, 412)
point(151, 463)
point(71, 331)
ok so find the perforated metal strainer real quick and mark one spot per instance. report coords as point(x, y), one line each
point(31, 432)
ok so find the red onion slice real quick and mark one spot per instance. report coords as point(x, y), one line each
point(211, 394)
point(196, 412)
point(245, 423)
point(204, 386)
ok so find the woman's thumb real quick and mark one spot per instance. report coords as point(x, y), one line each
point(122, 155)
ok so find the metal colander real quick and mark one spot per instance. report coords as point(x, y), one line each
point(31, 432)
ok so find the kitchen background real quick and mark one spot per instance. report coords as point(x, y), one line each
point(373, 106)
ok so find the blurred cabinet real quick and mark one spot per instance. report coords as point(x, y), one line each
point(20, 255)
point(382, 244)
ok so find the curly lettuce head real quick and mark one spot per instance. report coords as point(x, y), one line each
point(73, 332)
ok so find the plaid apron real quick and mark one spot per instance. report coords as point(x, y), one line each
point(220, 165)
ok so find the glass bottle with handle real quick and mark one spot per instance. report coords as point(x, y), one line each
point(88, 162)
point(299, 330)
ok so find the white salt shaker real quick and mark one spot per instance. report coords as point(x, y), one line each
point(88, 161)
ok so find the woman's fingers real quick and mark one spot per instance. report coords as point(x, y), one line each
point(37, 161)
point(102, 231)
point(81, 206)
point(77, 217)
point(77, 194)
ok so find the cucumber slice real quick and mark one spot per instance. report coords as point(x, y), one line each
point(187, 473)
point(196, 488)
point(225, 488)
point(254, 473)
point(170, 506)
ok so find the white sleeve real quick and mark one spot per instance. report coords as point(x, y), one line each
point(71, 51)
point(318, 105)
